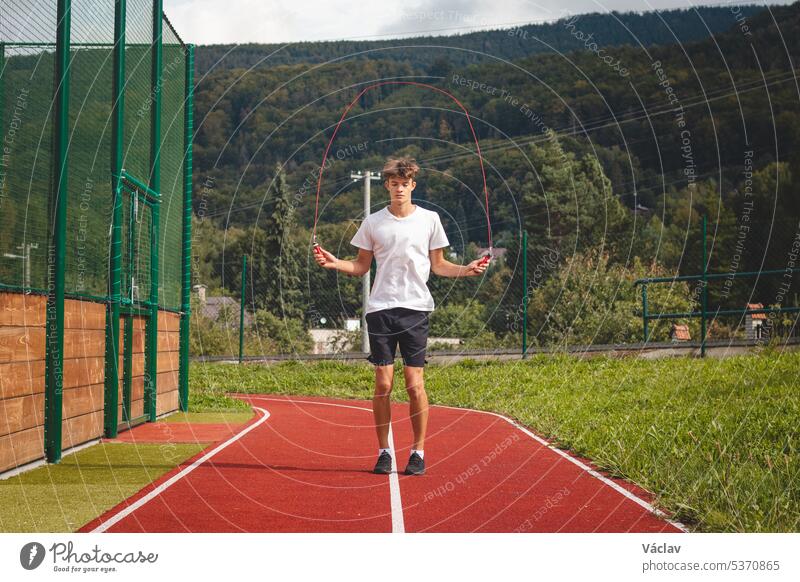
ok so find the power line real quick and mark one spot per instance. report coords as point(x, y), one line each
point(593, 125)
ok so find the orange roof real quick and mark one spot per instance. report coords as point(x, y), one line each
point(680, 332)
point(756, 315)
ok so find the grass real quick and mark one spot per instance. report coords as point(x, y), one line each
point(84, 485)
point(716, 439)
point(231, 418)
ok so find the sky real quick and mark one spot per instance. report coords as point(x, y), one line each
point(282, 21)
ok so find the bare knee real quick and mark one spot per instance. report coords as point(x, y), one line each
point(383, 390)
point(416, 392)
point(415, 385)
point(384, 378)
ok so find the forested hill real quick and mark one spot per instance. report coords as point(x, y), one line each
point(733, 88)
point(609, 29)
point(618, 153)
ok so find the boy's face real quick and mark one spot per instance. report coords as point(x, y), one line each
point(400, 188)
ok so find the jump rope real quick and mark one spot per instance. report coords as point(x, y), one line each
point(316, 245)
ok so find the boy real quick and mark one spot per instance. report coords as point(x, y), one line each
point(407, 242)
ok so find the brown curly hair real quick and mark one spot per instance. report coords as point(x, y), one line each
point(400, 168)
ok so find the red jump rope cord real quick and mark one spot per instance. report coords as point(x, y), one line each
point(344, 114)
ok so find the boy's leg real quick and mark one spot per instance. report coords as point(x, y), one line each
point(381, 403)
point(413, 343)
point(417, 403)
point(382, 344)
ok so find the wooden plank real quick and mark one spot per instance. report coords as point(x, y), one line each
point(167, 381)
point(139, 322)
point(84, 343)
point(166, 402)
point(84, 372)
point(21, 379)
point(168, 361)
point(137, 365)
point(168, 321)
point(22, 344)
point(137, 408)
point(79, 429)
point(82, 400)
point(21, 413)
point(84, 314)
point(21, 447)
point(19, 309)
point(137, 388)
point(139, 336)
point(169, 341)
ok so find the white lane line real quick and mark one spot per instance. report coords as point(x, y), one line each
point(396, 502)
point(178, 476)
point(398, 526)
point(585, 467)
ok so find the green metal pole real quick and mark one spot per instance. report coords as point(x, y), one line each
point(2, 86)
point(524, 294)
point(704, 307)
point(111, 401)
point(3, 105)
point(54, 380)
point(155, 185)
point(186, 307)
point(128, 339)
point(645, 319)
point(241, 308)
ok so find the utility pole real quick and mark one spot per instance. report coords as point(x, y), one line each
point(367, 176)
point(26, 261)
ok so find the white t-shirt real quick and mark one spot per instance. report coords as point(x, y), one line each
point(401, 247)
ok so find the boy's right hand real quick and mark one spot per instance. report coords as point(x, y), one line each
point(324, 258)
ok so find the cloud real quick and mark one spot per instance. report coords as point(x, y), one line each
point(279, 21)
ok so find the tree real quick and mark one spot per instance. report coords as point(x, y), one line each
point(591, 301)
point(272, 261)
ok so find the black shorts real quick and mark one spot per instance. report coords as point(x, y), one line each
point(399, 325)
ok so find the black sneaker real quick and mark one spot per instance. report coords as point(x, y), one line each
point(384, 464)
point(416, 465)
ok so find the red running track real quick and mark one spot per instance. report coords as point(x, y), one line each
point(304, 465)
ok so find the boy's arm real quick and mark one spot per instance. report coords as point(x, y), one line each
point(357, 268)
point(444, 268)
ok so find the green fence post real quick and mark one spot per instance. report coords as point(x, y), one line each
point(524, 294)
point(155, 185)
point(54, 382)
point(2, 88)
point(704, 301)
point(186, 304)
point(241, 308)
point(644, 312)
point(128, 339)
point(111, 399)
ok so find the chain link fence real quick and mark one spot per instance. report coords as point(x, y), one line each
point(95, 185)
point(525, 302)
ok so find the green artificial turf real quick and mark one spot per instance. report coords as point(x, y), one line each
point(233, 418)
point(84, 485)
